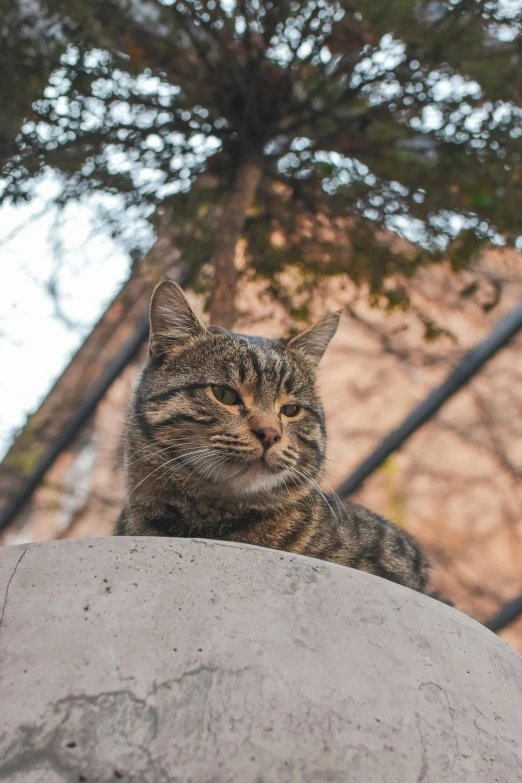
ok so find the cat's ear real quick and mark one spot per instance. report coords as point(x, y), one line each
point(313, 342)
point(173, 322)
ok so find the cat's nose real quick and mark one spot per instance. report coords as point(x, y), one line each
point(267, 435)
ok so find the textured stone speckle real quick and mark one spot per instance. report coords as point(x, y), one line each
point(155, 660)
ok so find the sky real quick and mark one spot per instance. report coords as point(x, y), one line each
point(36, 342)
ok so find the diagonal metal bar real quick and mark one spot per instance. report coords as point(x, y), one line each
point(508, 614)
point(503, 332)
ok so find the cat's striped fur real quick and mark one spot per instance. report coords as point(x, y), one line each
point(196, 466)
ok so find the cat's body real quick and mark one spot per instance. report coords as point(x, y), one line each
point(226, 440)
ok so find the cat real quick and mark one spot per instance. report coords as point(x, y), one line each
point(226, 440)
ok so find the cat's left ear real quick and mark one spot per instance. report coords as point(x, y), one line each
point(313, 342)
point(173, 322)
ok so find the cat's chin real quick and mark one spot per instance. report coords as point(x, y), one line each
point(251, 478)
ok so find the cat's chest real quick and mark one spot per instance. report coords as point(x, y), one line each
point(188, 519)
point(197, 512)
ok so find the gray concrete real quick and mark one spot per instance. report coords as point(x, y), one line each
point(151, 660)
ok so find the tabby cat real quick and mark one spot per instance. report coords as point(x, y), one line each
point(226, 440)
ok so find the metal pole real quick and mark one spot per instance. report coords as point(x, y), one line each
point(506, 616)
point(81, 415)
point(470, 365)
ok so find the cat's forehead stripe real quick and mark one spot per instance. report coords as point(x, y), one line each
point(256, 364)
point(269, 368)
point(242, 371)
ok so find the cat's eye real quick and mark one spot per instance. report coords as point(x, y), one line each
point(290, 410)
point(226, 395)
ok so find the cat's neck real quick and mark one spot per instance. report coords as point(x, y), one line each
point(186, 514)
point(211, 507)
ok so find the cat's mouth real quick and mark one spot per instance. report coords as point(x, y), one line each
point(265, 462)
point(242, 476)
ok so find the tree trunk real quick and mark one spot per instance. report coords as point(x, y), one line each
point(230, 226)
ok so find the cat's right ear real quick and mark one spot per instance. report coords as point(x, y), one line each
point(173, 322)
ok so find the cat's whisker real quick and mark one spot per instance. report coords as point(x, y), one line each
point(336, 518)
point(219, 464)
point(163, 465)
point(344, 464)
point(338, 500)
point(308, 496)
point(333, 471)
point(340, 507)
point(196, 467)
point(159, 444)
point(185, 464)
point(150, 452)
point(184, 461)
point(170, 472)
point(339, 504)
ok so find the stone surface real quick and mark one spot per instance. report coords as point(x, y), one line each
point(154, 660)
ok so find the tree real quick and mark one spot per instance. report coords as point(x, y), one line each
point(31, 43)
point(316, 130)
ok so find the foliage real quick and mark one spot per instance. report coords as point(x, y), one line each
point(30, 45)
point(365, 117)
